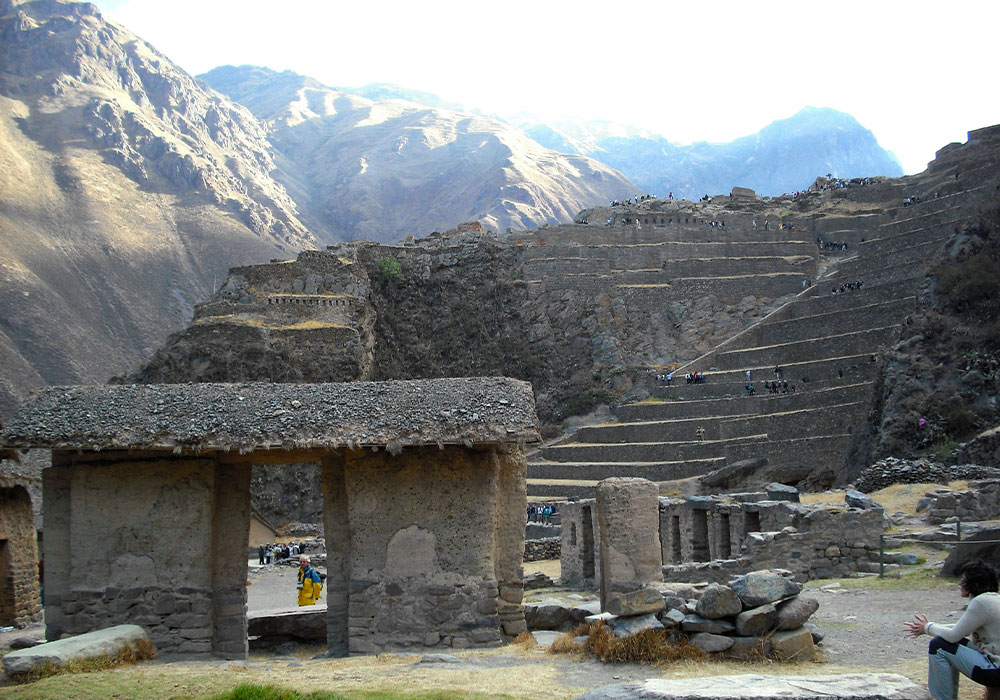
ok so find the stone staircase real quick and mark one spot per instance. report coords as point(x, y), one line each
point(827, 345)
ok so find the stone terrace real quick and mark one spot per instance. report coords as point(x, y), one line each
point(828, 345)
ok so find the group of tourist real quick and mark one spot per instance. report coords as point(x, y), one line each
point(275, 552)
point(831, 245)
point(634, 200)
point(541, 513)
point(911, 200)
point(848, 287)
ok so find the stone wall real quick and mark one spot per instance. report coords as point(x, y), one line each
point(435, 548)
point(981, 501)
point(540, 550)
point(20, 604)
point(811, 541)
point(158, 544)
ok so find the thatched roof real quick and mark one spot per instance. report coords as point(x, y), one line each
point(259, 416)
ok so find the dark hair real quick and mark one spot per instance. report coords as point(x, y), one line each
point(980, 577)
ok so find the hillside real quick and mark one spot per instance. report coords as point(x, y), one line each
point(126, 190)
point(385, 170)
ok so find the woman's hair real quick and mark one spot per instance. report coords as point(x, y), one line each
point(980, 577)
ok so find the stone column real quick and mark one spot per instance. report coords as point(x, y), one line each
point(511, 505)
point(628, 525)
point(56, 544)
point(338, 554)
point(230, 534)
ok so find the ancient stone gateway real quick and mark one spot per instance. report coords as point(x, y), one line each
point(20, 604)
point(147, 506)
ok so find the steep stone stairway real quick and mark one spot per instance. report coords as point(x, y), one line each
point(827, 345)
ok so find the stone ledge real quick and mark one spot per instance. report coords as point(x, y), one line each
point(85, 646)
point(855, 686)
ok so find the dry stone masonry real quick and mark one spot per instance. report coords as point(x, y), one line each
point(143, 476)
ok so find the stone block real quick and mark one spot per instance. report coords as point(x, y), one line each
point(756, 622)
point(718, 601)
point(794, 612)
point(85, 646)
point(640, 602)
point(697, 623)
point(711, 643)
point(857, 686)
point(750, 648)
point(794, 645)
point(629, 626)
point(760, 587)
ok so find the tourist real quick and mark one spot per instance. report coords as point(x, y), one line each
point(951, 650)
point(700, 432)
point(260, 555)
point(308, 582)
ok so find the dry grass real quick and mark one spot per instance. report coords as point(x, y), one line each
point(139, 650)
point(656, 647)
point(895, 498)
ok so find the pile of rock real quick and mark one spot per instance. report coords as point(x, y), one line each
point(758, 614)
point(891, 470)
point(981, 501)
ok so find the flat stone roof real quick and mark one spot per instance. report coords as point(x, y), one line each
point(265, 416)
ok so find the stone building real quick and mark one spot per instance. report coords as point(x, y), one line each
point(720, 536)
point(147, 506)
point(20, 602)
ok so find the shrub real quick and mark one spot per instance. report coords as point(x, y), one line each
point(390, 270)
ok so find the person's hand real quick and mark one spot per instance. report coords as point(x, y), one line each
point(917, 627)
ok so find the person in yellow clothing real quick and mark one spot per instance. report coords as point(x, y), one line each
point(309, 582)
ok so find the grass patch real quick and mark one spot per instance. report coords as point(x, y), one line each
point(655, 647)
point(134, 652)
point(906, 579)
point(252, 691)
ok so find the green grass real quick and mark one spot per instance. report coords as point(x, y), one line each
point(907, 578)
point(251, 691)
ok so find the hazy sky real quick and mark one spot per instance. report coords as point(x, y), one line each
point(918, 74)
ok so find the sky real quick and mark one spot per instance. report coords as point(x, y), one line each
point(918, 74)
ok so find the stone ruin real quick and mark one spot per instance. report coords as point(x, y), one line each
point(147, 507)
point(713, 538)
point(20, 600)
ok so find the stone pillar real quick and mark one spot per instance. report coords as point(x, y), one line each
point(628, 522)
point(576, 554)
point(230, 533)
point(338, 554)
point(511, 506)
point(56, 545)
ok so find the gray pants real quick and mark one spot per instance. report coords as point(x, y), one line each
point(946, 660)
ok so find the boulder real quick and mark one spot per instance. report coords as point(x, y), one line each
point(672, 618)
point(816, 632)
point(857, 686)
point(782, 492)
point(794, 612)
point(697, 623)
point(547, 615)
point(582, 611)
point(975, 546)
point(856, 499)
point(110, 641)
point(640, 602)
point(750, 648)
point(794, 645)
point(760, 587)
point(711, 643)
point(628, 626)
point(718, 601)
point(756, 622)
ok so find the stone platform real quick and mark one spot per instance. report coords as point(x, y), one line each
point(855, 686)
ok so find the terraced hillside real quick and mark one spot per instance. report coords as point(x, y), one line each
point(827, 346)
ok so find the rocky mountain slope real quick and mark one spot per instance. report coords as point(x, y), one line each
point(785, 156)
point(126, 189)
point(390, 169)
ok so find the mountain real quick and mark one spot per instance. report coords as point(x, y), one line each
point(785, 156)
point(126, 191)
point(386, 170)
